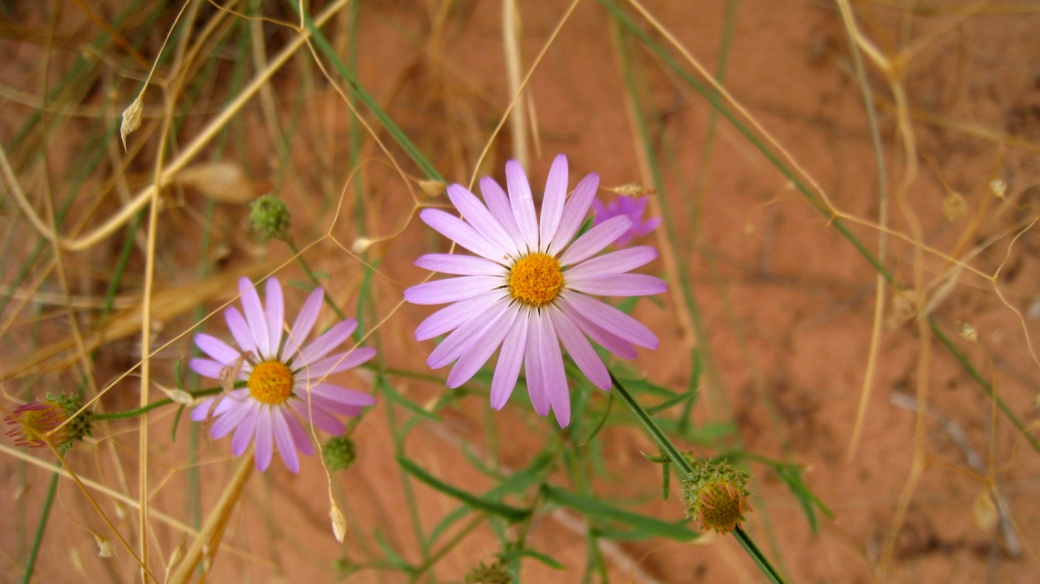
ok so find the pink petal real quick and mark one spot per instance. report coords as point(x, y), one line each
point(574, 212)
point(343, 395)
point(618, 285)
point(255, 316)
point(460, 265)
point(452, 289)
point(594, 240)
point(283, 437)
point(613, 320)
point(321, 419)
point(240, 330)
point(338, 362)
point(326, 343)
point(244, 434)
point(552, 200)
point(477, 215)
point(230, 420)
point(201, 411)
point(522, 203)
point(614, 263)
point(555, 377)
point(275, 316)
point(264, 439)
point(509, 360)
point(472, 360)
point(498, 205)
point(303, 325)
point(459, 341)
point(454, 316)
point(462, 233)
point(299, 435)
point(533, 366)
point(605, 338)
point(206, 367)
point(579, 348)
point(216, 348)
point(333, 407)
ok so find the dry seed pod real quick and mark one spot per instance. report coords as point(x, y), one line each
point(985, 513)
point(339, 522)
point(221, 181)
point(131, 118)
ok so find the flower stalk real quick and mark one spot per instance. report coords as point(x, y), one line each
point(686, 469)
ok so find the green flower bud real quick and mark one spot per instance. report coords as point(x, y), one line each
point(716, 495)
point(270, 217)
point(494, 574)
point(339, 453)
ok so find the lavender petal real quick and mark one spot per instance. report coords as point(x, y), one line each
point(553, 200)
point(498, 205)
point(613, 320)
point(522, 202)
point(472, 360)
point(451, 289)
point(594, 240)
point(283, 438)
point(478, 216)
point(244, 434)
point(462, 233)
point(618, 285)
point(216, 348)
point(240, 330)
point(510, 358)
point(605, 338)
point(255, 316)
point(579, 348)
point(533, 367)
point(555, 378)
point(456, 315)
point(574, 212)
point(613, 263)
point(275, 315)
point(326, 343)
point(460, 265)
point(264, 439)
point(303, 324)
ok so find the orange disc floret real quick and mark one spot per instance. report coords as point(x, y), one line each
point(536, 279)
point(271, 382)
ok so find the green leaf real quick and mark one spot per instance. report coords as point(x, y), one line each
point(391, 556)
point(514, 555)
point(395, 396)
point(596, 508)
point(668, 404)
point(512, 514)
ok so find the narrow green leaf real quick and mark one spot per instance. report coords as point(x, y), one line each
point(512, 514)
point(514, 555)
point(598, 509)
point(395, 396)
point(682, 397)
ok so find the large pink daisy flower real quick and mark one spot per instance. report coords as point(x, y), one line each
point(285, 381)
point(527, 290)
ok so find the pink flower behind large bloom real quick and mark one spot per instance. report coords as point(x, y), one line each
point(285, 380)
point(527, 288)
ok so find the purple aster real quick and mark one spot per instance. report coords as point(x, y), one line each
point(630, 207)
point(284, 382)
point(526, 289)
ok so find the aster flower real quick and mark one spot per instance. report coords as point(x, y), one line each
point(285, 380)
point(526, 289)
point(630, 207)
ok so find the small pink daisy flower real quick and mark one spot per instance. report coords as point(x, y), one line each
point(630, 207)
point(284, 382)
point(527, 290)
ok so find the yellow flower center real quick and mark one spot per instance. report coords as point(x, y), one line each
point(271, 382)
point(536, 280)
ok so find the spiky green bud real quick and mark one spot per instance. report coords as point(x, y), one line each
point(494, 574)
point(716, 495)
point(270, 217)
point(339, 453)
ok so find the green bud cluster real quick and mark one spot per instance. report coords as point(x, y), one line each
point(339, 453)
point(716, 495)
point(269, 217)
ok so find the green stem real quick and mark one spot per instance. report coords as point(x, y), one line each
point(38, 539)
point(314, 278)
point(156, 404)
point(757, 555)
point(686, 470)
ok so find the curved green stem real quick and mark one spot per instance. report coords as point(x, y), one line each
point(156, 404)
point(38, 539)
point(757, 555)
point(313, 278)
point(685, 469)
